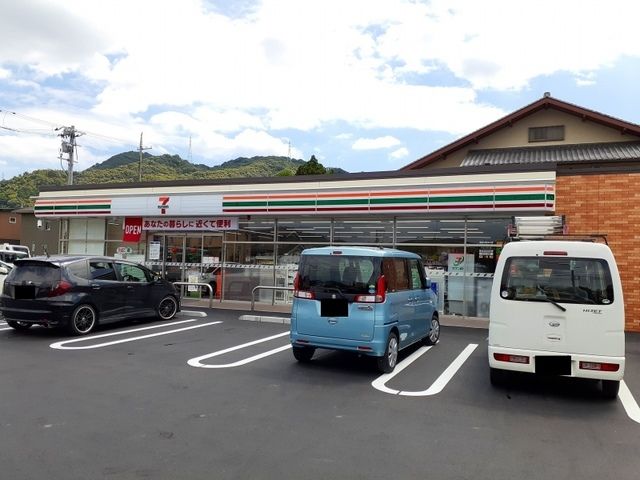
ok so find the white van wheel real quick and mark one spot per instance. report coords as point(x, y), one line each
point(497, 376)
point(387, 362)
point(610, 389)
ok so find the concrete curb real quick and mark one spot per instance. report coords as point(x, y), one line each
point(445, 320)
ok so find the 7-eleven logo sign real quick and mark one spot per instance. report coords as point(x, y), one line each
point(163, 204)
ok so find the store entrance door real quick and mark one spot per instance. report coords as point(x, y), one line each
point(191, 258)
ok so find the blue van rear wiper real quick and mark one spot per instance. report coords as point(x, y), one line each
point(335, 289)
point(547, 299)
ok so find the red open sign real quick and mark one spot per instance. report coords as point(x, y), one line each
point(132, 229)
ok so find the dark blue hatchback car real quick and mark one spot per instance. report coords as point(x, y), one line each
point(78, 292)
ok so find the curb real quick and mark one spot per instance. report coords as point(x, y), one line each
point(445, 321)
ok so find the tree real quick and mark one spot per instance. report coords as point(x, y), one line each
point(312, 167)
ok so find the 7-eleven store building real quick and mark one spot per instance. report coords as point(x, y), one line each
point(452, 206)
point(248, 232)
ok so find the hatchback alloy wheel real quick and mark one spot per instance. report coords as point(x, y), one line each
point(83, 320)
point(168, 308)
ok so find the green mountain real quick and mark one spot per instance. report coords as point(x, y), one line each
point(124, 168)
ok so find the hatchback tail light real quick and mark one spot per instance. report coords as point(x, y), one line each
point(60, 288)
point(380, 295)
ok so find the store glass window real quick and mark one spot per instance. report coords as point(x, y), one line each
point(421, 230)
point(246, 266)
point(483, 231)
point(316, 230)
point(361, 232)
point(253, 230)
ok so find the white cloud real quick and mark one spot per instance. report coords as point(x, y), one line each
point(375, 143)
point(237, 83)
point(399, 153)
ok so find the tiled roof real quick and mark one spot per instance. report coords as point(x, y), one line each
point(585, 152)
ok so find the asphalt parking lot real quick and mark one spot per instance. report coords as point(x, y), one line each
point(210, 396)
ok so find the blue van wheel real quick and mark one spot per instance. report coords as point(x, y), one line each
point(303, 354)
point(387, 362)
point(434, 332)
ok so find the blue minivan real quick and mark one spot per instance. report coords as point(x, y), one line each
point(373, 301)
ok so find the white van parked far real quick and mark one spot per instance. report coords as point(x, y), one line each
point(557, 309)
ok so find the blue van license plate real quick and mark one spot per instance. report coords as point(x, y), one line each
point(334, 308)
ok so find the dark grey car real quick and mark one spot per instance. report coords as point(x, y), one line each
point(78, 292)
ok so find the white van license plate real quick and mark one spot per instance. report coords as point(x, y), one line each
point(553, 365)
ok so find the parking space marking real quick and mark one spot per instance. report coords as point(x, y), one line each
point(193, 313)
point(437, 386)
point(628, 402)
point(62, 345)
point(197, 362)
point(3, 329)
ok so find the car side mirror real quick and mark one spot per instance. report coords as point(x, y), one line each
point(4, 271)
point(427, 283)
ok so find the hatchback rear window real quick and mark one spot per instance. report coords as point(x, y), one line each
point(561, 279)
point(37, 273)
point(350, 274)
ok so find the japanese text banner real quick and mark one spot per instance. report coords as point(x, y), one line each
point(199, 224)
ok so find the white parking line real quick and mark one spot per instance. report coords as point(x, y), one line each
point(197, 362)
point(628, 402)
point(193, 313)
point(61, 345)
point(3, 329)
point(437, 386)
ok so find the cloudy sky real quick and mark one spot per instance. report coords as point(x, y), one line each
point(361, 84)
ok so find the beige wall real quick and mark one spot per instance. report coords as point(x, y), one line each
point(32, 236)
point(576, 131)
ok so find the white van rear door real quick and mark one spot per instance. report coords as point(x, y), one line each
point(558, 304)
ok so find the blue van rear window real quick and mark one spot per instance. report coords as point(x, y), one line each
point(350, 274)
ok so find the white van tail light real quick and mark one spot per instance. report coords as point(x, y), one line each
point(601, 367)
point(555, 252)
point(300, 293)
point(380, 295)
point(505, 357)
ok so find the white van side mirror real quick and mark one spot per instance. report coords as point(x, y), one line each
point(4, 270)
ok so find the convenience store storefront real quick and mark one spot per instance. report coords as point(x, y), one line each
point(236, 235)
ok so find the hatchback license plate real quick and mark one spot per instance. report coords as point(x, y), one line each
point(24, 292)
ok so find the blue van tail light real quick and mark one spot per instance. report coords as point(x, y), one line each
point(505, 357)
point(60, 288)
point(601, 367)
point(301, 293)
point(380, 295)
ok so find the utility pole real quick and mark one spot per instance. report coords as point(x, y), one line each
point(69, 135)
point(140, 163)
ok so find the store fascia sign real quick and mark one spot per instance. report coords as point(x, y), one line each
point(193, 224)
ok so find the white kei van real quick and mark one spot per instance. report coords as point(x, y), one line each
point(557, 309)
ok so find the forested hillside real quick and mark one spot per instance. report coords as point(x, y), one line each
point(124, 168)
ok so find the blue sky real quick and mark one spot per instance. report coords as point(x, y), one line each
point(361, 84)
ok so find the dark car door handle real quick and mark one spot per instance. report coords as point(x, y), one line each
point(95, 287)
